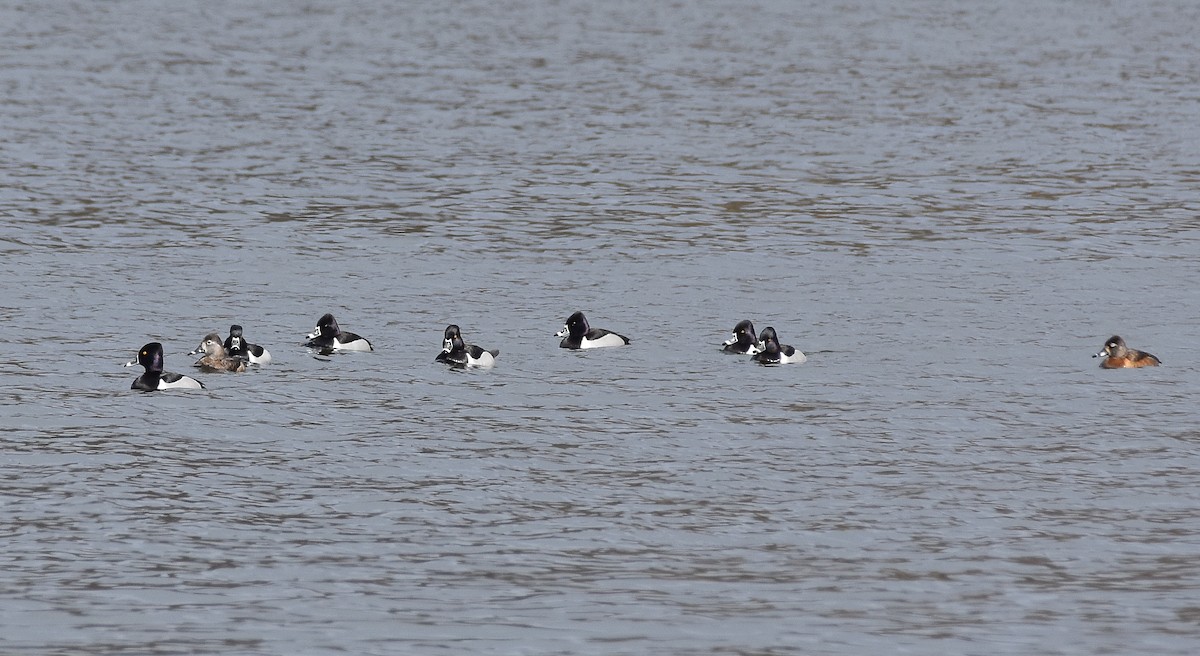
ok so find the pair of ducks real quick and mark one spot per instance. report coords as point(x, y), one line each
point(231, 355)
point(576, 333)
point(763, 348)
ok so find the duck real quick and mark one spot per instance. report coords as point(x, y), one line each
point(775, 353)
point(743, 341)
point(237, 346)
point(154, 379)
point(577, 334)
point(456, 352)
point(328, 336)
point(1119, 356)
point(215, 358)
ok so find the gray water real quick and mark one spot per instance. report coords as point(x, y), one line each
point(949, 205)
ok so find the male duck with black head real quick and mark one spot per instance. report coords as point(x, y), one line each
point(457, 353)
point(775, 353)
point(237, 346)
point(1118, 356)
point(577, 334)
point(329, 337)
point(154, 379)
point(743, 340)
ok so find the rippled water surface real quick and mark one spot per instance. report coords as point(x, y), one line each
point(948, 205)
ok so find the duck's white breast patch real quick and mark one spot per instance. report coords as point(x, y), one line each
point(356, 345)
point(611, 339)
point(183, 383)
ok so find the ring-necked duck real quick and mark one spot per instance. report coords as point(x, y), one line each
point(775, 353)
point(578, 335)
point(1118, 356)
point(237, 346)
point(457, 352)
point(215, 359)
point(744, 340)
point(329, 337)
point(151, 357)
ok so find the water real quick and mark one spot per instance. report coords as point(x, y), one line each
point(949, 206)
